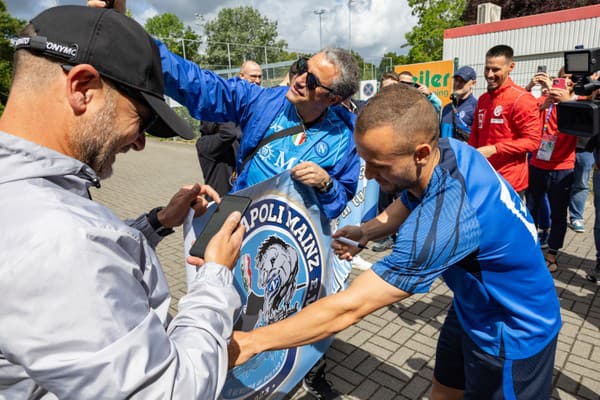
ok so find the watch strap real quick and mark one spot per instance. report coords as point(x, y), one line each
point(155, 223)
point(327, 186)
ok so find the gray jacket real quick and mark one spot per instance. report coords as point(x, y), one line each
point(84, 299)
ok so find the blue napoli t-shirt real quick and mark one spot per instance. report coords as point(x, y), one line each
point(471, 228)
point(324, 143)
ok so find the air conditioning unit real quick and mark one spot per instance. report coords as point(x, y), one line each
point(488, 12)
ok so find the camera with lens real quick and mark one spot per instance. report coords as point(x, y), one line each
point(581, 118)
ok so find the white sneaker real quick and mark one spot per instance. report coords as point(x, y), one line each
point(360, 263)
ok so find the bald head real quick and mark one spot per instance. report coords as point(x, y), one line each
point(251, 72)
point(403, 108)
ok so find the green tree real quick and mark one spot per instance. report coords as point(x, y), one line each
point(171, 30)
point(9, 28)
point(427, 38)
point(247, 32)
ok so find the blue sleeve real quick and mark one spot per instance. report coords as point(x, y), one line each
point(435, 102)
point(205, 94)
point(345, 173)
point(345, 180)
point(446, 127)
point(440, 231)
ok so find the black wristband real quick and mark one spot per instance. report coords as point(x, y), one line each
point(155, 223)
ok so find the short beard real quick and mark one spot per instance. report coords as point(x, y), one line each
point(94, 140)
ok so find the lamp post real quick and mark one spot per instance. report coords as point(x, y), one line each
point(350, 25)
point(320, 13)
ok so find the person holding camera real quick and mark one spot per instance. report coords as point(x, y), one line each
point(542, 79)
point(551, 166)
point(406, 77)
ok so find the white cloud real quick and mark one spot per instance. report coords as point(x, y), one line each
point(378, 26)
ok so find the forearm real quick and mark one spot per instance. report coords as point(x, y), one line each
point(329, 315)
point(435, 102)
point(517, 147)
point(202, 327)
point(319, 320)
point(386, 223)
point(206, 95)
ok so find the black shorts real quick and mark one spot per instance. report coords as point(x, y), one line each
point(461, 364)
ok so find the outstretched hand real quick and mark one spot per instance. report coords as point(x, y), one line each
point(239, 348)
point(345, 251)
point(118, 5)
point(187, 197)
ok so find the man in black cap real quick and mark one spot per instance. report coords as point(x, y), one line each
point(457, 116)
point(85, 300)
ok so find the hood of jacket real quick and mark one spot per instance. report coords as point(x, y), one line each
point(21, 160)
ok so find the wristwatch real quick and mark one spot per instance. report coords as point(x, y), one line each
point(155, 223)
point(326, 187)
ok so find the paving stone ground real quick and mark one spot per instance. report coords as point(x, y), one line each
point(390, 354)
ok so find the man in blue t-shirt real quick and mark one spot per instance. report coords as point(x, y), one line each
point(457, 116)
point(455, 218)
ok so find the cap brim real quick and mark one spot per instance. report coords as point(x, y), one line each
point(466, 79)
point(169, 124)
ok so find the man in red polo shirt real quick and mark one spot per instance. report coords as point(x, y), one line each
point(506, 124)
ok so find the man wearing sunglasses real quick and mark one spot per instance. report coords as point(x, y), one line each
point(321, 155)
point(85, 301)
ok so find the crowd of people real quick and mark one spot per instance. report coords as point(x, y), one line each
point(466, 192)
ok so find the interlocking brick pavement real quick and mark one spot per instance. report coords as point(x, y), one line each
point(390, 354)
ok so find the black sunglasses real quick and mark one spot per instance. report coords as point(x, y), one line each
point(311, 80)
point(145, 123)
point(413, 84)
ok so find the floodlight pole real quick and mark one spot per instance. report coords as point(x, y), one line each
point(350, 25)
point(320, 13)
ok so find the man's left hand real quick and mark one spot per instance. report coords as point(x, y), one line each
point(488, 151)
point(187, 197)
point(557, 95)
point(118, 5)
point(310, 174)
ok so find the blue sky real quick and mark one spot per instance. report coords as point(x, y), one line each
point(377, 26)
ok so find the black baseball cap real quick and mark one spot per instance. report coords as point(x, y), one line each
point(117, 46)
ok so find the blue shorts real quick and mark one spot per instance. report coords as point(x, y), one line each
point(461, 364)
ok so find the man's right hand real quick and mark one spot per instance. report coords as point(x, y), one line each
point(345, 251)
point(224, 248)
point(119, 5)
point(240, 348)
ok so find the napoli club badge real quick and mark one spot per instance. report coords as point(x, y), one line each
point(279, 273)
